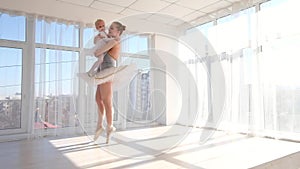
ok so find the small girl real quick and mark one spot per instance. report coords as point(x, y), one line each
point(99, 40)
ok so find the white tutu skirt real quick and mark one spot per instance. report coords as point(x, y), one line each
point(121, 76)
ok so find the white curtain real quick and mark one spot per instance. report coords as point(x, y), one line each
point(56, 85)
point(259, 58)
point(275, 95)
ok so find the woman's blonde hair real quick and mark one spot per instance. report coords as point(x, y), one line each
point(119, 26)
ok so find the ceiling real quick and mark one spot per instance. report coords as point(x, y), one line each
point(193, 12)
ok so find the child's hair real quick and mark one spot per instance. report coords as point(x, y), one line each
point(120, 27)
point(97, 21)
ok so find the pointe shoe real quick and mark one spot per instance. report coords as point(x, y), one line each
point(98, 133)
point(108, 133)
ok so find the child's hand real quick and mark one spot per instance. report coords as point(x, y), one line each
point(95, 54)
point(101, 36)
point(96, 38)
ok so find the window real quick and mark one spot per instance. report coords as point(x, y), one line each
point(12, 38)
point(205, 27)
point(280, 37)
point(258, 52)
point(88, 37)
point(88, 42)
point(135, 50)
point(54, 33)
point(10, 87)
point(12, 27)
point(56, 66)
point(54, 87)
point(135, 44)
point(234, 31)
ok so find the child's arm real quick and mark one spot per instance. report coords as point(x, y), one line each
point(117, 39)
point(96, 38)
point(101, 35)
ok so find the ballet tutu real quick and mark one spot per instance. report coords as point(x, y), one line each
point(120, 76)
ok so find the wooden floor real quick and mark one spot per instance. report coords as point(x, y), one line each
point(154, 148)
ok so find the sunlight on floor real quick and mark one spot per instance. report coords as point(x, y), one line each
point(151, 148)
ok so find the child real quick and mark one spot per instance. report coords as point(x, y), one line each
point(99, 40)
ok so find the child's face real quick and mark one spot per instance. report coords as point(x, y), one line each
point(100, 26)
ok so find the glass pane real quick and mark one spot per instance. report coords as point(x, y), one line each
point(54, 33)
point(88, 42)
point(139, 95)
point(55, 88)
point(138, 108)
point(10, 87)
point(12, 27)
point(88, 37)
point(280, 69)
point(135, 44)
point(205, 27)
point(279, 38)
point(233, 31)
point(278, 19)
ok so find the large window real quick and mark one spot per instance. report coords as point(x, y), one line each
point(258, 48)
point(135, 50)
point(280, 37)
point(12, 37)
point(56, 65)
point(56, 98)
point(10, 87)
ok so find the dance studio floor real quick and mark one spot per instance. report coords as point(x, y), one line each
point(170, 147)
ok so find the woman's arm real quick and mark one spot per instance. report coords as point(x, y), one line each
point(106, 47)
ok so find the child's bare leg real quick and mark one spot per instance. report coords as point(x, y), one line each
point(92, 69)
point(95, 66)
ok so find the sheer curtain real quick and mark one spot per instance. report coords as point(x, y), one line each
point(56, 85)
point(233, 35)
point(258, 57)
point(278, 64)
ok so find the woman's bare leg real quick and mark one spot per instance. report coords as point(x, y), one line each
point(101, 109)
point(100, 104)
point(106, 95)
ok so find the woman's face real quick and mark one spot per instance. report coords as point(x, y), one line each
point(113, 31)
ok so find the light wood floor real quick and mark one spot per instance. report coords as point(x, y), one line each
point(154, 148)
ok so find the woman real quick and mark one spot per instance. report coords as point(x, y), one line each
point(104, 91)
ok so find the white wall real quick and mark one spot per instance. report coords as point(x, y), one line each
point(178, 83)
point(178, 89)
point(161, 70)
